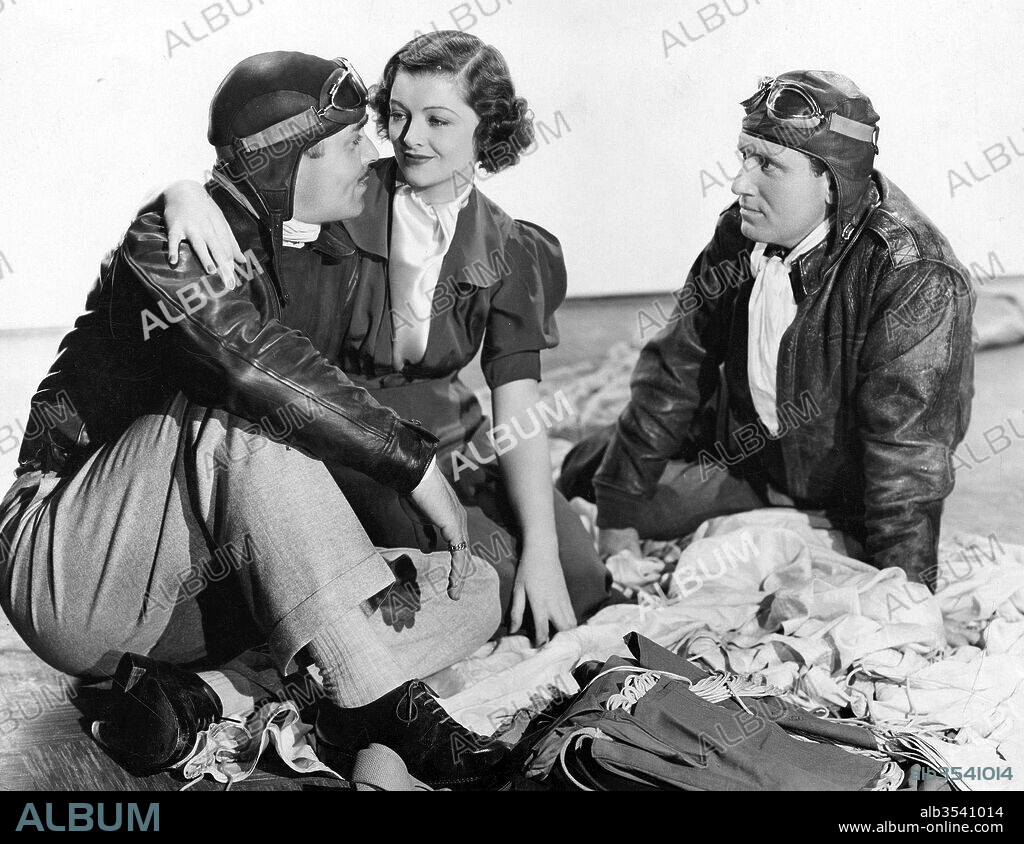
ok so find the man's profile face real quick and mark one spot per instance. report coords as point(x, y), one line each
point(781, 198)
point(331, 186)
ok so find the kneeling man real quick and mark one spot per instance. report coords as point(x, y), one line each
point(819, 354)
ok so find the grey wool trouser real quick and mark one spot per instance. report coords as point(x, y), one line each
point(193, 537)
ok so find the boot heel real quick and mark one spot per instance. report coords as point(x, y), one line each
point(128, 673)
point(155, 715)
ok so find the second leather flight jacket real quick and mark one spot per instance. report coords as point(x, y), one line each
point(874, 385)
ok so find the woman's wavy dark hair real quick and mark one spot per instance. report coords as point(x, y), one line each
point(506, 123)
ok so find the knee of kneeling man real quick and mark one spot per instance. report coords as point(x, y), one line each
point(244, 440)
point(247, 448)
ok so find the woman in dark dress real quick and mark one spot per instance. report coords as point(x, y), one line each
point(433, 271)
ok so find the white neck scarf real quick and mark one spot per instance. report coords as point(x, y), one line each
point(298, 233)
point(771, 311)
point(421, 235)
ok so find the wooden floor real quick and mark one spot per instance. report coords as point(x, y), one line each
point(44, 720)
point(45, 741)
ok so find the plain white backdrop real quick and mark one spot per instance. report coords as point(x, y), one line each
point(103, 102)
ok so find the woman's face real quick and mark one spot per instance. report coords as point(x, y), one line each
point(431, 129)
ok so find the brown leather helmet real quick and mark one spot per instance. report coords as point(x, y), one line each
point(826, 116)
point(270, 109)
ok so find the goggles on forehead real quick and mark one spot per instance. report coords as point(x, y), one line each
point(792, 105)
point(344, 97)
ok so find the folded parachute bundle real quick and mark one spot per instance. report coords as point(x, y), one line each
point(660, 722)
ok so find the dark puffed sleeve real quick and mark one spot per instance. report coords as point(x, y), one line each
point(521, 320)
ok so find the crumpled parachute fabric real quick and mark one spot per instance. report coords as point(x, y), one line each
point(766, 594)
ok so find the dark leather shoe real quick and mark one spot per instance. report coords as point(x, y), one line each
point(157, 711)
point(435, 748)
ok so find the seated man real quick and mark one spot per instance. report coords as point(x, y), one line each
point(819, 354)
point(185, 416)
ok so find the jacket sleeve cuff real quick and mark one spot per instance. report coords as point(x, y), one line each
point(412, 450)
point(617, 509)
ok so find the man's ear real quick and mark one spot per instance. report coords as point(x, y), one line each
point(825, 181)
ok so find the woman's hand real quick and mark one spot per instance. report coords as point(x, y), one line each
point(527, 471)
point(192, 216)
point(541, 584)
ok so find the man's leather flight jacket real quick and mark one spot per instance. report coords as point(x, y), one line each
point(151, 330)
point(874, 384)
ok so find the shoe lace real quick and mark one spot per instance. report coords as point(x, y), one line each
point(418, 696)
